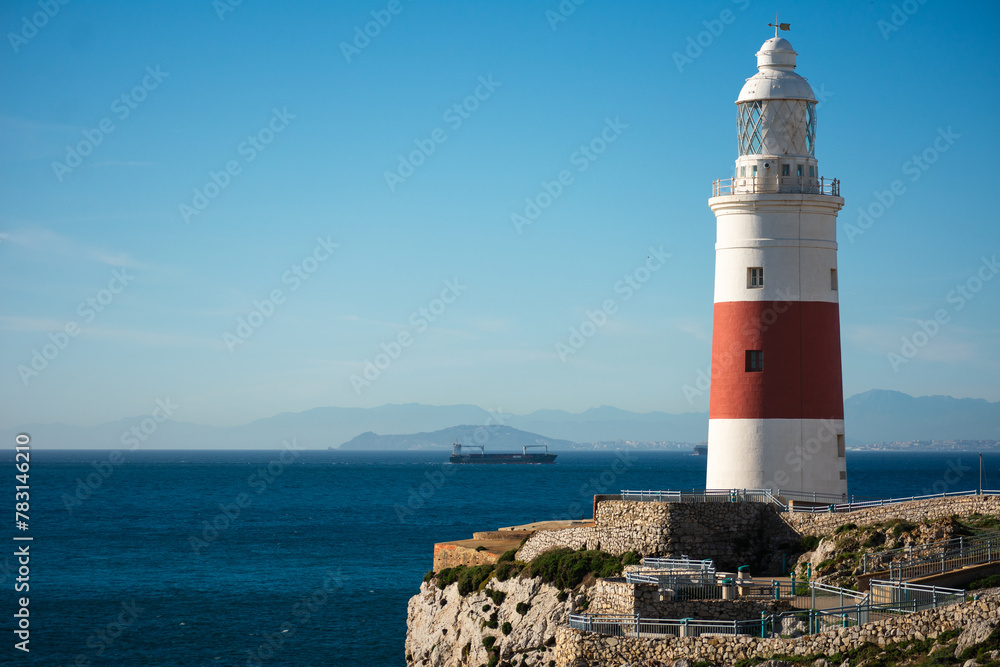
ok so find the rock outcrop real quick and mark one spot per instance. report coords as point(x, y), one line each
point(446, 629)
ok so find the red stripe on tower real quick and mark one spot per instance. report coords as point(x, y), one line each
point(800, 374)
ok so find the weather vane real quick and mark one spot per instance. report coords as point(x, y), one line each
point(779, 26)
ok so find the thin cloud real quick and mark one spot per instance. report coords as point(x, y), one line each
point(47, 241)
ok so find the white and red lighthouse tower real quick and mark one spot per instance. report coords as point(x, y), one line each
point(776, 416)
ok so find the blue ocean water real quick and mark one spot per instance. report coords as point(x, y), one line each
point(251, 558)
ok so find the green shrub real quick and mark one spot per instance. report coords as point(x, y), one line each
point(507, 569)
point(563, 596)
point(807, 543)
point(428, 576)
point(497, 596)
point(469, 579)
point(507, 556)
point(899, 527)
point(566, 568)
point(480, 548)
point(991, 581)
point(874, 540)
point(489, 641)
point(505, 628)
point(844, 528)
point(522, 608)
point(486, 607)
point(631, 558)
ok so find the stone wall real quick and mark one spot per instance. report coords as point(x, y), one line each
point(916, 511)
point(582, 649)
point(501, 534)
point(574, 538)
point(451, 555)
point(615, 596)
point(731, 534)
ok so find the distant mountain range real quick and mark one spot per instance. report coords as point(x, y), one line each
point(874, 416)
point(494, 438)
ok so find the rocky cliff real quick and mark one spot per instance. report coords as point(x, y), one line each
point(518, 618)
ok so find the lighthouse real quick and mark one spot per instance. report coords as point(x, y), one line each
point(776, 414)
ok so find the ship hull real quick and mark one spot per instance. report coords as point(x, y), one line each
point(503, 458)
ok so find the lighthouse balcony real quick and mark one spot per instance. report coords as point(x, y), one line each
point(800, 185)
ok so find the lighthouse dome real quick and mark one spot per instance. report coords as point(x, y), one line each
point(776, 78)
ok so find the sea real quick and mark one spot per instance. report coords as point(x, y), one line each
point(300, 557)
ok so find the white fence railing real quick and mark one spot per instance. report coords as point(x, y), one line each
point(794, 501)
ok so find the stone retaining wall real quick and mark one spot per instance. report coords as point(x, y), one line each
point(501, 534)
point(451, 555)
point(575, 648)
point(574, 538)
point(915, 512)
point(731, 534)
point(615, 596)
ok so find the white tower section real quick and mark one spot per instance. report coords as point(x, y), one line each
point(776, 417)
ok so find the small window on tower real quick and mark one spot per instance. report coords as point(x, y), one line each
point(786, 169)
point(841, 449)
point(755, 361)
point(753, 170)
point(743, 172)
point(798, 169)
point(812, 171)
point(755, 277)
point(843, 474)
point(833, 279)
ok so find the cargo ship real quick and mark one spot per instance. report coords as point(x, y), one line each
point(458, 456)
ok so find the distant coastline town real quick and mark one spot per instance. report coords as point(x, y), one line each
point(895, 446)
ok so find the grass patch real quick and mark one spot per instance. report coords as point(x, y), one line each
point(844, 528)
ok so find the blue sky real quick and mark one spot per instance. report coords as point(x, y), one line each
point(300, 132)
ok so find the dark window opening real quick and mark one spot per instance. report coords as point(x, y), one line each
point(755, 361)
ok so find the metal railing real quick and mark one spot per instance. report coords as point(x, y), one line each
point(902, 594)
point(776, 184)
point(852, 505)
point(680, 588)
point(950, 554)
point(702, 496)
point(887, 599)
point(623, 625)
point(812, 496)
point(679, 565)
point(819, 503)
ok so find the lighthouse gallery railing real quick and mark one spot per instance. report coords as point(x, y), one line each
point(775, 185)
